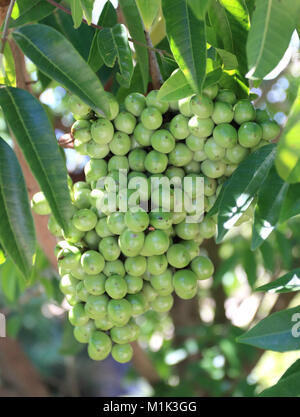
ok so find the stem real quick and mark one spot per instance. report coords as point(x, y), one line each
point(6, 25)
point(157, 79)
point(64, 9)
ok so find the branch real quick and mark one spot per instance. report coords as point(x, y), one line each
point(64, 9)
point(156, 76)
point(6, 25)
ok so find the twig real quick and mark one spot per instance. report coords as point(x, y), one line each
point(6, 25)
point(156, 76)
point(64, 9)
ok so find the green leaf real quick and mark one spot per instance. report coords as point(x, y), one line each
point(288, 387)
point(7, 67)
point(53, 54)
point(242, 186)
point(136, 85)
point(287, 283)
point(17, 232)
point(268, 255)
point(276, 332)
point(87, 7)
point(291, 204)
point(32, 11)
point(270, 198)
point(77, 12)
point(272, 26)
point(291, 370)
point(187, 39)
point(230, 61)
point(199, 8)
point(177, 87)
point(288, 156)
point(113, 45)
point(35, 136)
point(250, 266)
point(221, 27)
point(148, 10)
point(284, 247)
point(136, 29)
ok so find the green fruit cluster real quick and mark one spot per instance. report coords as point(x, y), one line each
point(116, 265)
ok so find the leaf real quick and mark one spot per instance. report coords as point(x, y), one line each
point(187, 39)
point(291, 204)
point(148, 10)
point(267, 252)
point(136, 29)
point(87, 7)
point(199, 8)
point(221, 27)
point(270, 198)
point(288, 155)
point(291, 370)
point(113, 45)
point(7, 67)
point(35, 136)
point(32, 11)
point(77, 12)
point(272, 26)
point(287, 283)
point(276, 332)
point(242, 186)
point(288, 387)
point(136, 85)
point(230, 61)
point(53, 54)
point(177, 87)
point(235, 83)
point(17, 232)
point(284, 247)
point(250, 266)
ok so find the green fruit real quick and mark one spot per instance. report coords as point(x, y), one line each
point(163, 141)
point(122, 353)
point(250, 134)
point(109, 248)
point(81, 131)
point(162, 283)
point(151, 118)
point(135, 103)
point(72, 300)
point(181, 155)
point(202, 106)
point(138, 303)
point(104, 323)
point(83, 333)
point(186, 231)
point(193, 167)
point(213, 151)
point(121, 334)
point(95, 169)
point(120, 144)
point(114, 268)
point(69, 258)
point(80, 148)
point(102, 131)
point(199, 156)
point(119, 311)
point(72, 234)
point(102, 229)
point(131, 243)
point(262, 116)
point(192, 248)
point(152, 101)
point(137, 160)
point(149, 292)
point(225, 135)
point(210, 186)
point(68, 284)
point(134, 284)
point(236, 154)
point(39, 204)
point(207, 228)
point(116, 287)
point(92, 262)
point(116, 223)
point(270, 130)
point(125, 122)
point(82, 198)
point(96, 306)
point(160, 219)
point(142, 135)
point(184, 106)
point(227, 96)
point(53, 227)
point(136, 220)
point(97, 150)
point(113, 105)
point(211, 91)
point(95, 284)
point(157, 264)
point(117, 162)
point(156, 162)
point(92, 239)
point(244, 111)
point(81, 292)
point(162, 304)
point(202, 267)
point(185, 284)
point(230, 170)
point(179, 127)
point(178, 256)
point(78, 107)
point(157, 242)
point(213, 169)
point(136, 266)
point(195, 143)
point(99, 346)
point(201, 127)
point(77, 315)
point(222, 113)
point(84, 220)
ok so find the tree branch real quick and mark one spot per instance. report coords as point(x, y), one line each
point(156, 76)
point(6, 25)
